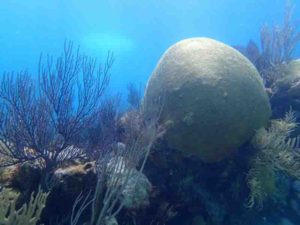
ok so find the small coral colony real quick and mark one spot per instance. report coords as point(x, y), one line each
point(213, 139)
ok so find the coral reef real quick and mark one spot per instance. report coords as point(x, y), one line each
point(135, 193)
point(120, 182)
point(285, 90)
point(277, 152)
point(134, 96)
point(215, 98)
point(278, 44)
point(45, 120)
point(28, 214)
point(70, 155)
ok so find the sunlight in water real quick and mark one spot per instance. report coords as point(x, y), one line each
point(105, 42)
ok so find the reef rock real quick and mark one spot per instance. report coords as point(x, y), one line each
point(214, 98)
point(23, 176)
point(8, 174)
point(110, 221)
point(286, 90)
point(67, 184)
point(290, 79)
point(74, 178)
point(136, 191)
point(136, 187)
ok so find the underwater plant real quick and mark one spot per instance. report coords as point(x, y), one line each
point(277, 45)
point(28, 214)
point(277, 153)
point(104, 132)
point(121, 182)
point(134, 97)
point(43, 120)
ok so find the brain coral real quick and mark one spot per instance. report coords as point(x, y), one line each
point(214, 98)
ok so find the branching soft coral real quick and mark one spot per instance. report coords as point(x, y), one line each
point(277, 45)
point(261, 182)
point(28, 214)
point(277, 152)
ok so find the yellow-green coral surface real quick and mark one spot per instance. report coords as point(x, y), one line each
point(214, 98)
point(276, 153)
point(28, 214)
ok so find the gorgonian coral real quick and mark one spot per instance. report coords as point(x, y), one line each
point(277, 152)
point(28, 214)
point(277, 45)
point(44, 120)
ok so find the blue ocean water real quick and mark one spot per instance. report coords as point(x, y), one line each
point(137, 31)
